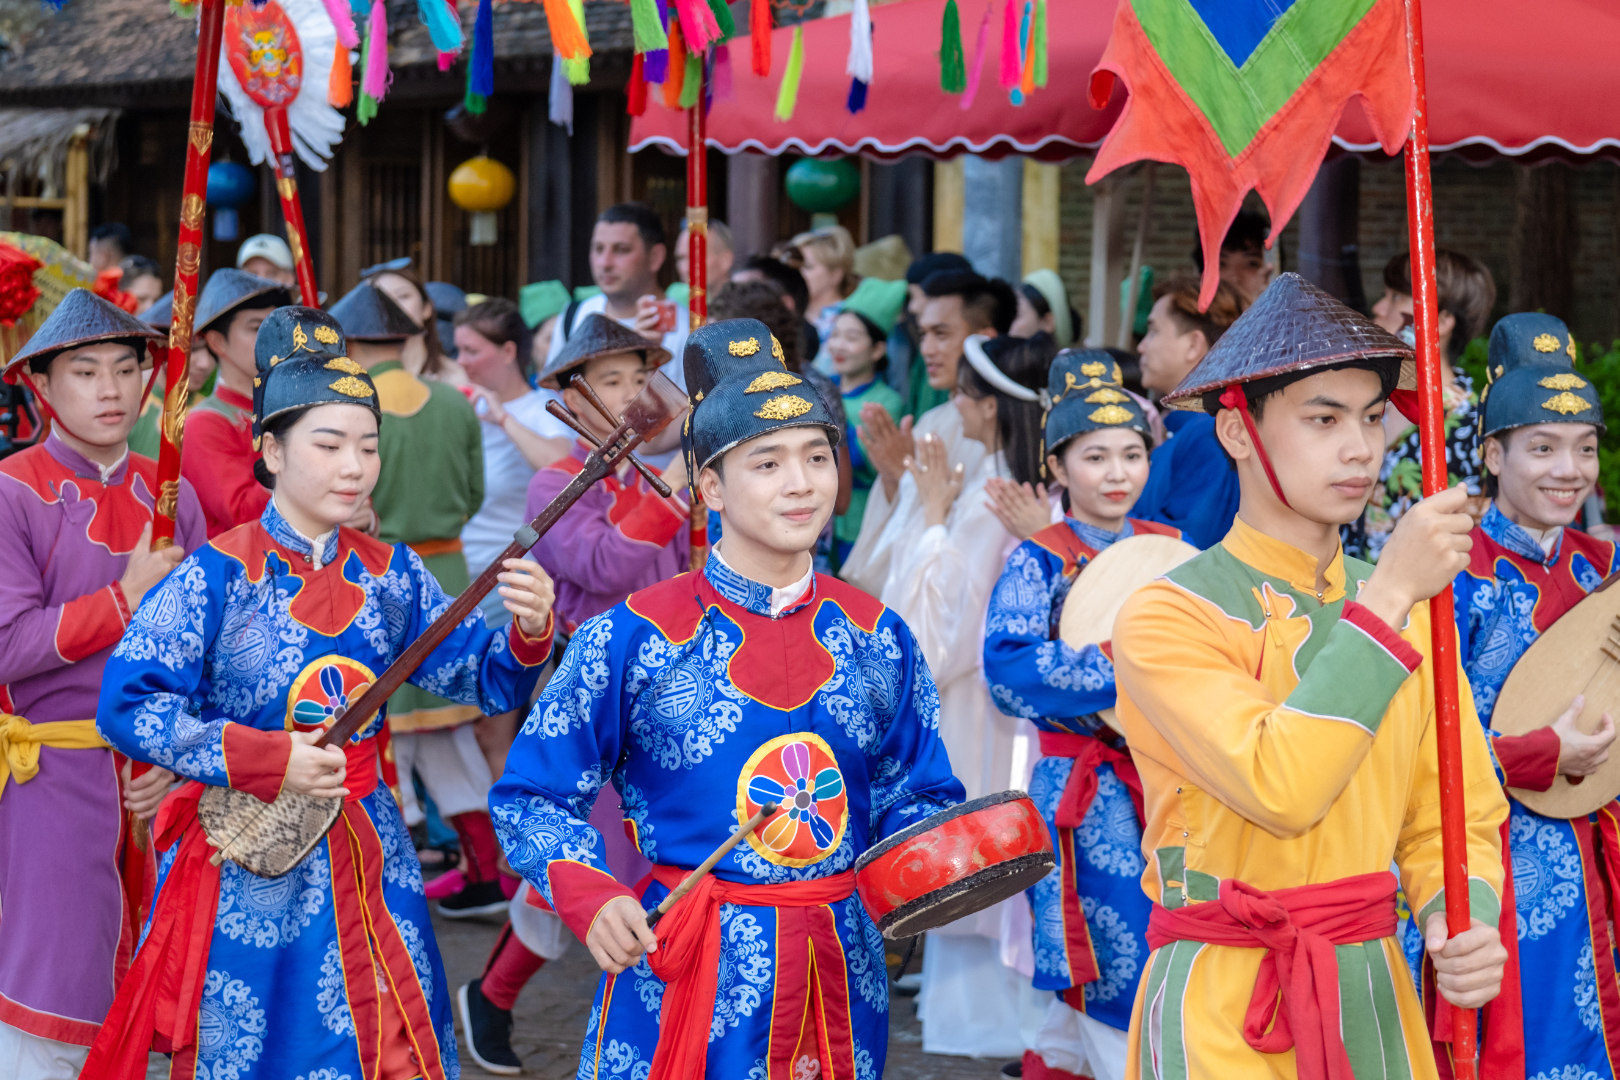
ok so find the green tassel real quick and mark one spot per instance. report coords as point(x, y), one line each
point(787, 98)
point(952, 68)
point(646, 26)
point(579, 68)
point(475, 103)
point(1039, 42)
point(722, 16)
point(365, 109)
point(692, 83)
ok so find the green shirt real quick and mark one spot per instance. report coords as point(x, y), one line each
point(848, 526)
point(432, 477)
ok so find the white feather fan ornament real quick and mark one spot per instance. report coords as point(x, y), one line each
point(280, 55)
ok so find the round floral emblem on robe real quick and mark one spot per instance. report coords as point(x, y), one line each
point(800, 773)
point(323, 689)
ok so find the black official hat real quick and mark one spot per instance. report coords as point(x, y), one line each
point(1086, 393)
point(1531, 379)
point(366, 313)
point(82, 318)
point(230, 289)
point(596, 336)
point(300, 360)
point(741, 389)
point(1294, 327)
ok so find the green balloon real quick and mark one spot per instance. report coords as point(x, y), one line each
point(821, 187)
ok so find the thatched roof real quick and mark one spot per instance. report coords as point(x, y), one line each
point(34, 142)
point(128, 52)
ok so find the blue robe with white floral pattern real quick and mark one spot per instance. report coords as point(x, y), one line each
point(1033, 674)
point(1510, 594)
point(248, 634)
point(698, 705)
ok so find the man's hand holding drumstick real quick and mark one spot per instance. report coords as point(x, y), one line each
point(622, 932)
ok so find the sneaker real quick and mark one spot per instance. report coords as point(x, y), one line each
point(489, 1031)
point(475, 898)
point(445, 885)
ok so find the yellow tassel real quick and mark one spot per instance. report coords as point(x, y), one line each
point(787, 98)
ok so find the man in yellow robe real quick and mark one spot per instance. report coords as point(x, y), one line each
point(1272, 695)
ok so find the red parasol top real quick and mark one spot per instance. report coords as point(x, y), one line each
point(1481, 103)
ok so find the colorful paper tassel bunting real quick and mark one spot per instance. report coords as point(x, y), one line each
point(981, 46)
point(787, 97)
point(1012, 68)
point(560, 104)
point(720, 82)
point(647, 26)
point(1038, 47)
point(759, 33)
point(675, 74)
point(722, 18)
point(636, 92)
point(443, 25)
point(859, 68)
point(698, 26)
point(481, 65)
point(567, 35)
point(340, 84)
point(374, 64)
point(578, 68)
point(952, 69)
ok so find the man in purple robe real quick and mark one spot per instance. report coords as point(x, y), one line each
point(76, 530)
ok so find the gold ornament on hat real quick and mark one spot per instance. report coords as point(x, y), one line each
point(776, 351)
point(1566, 403)
point(300, 339)
point(352, 387)
point(772, 380)
point(746, 347)
point(1106, 396)
point(341, 363)
point(1111, 414)
point(1563, 381)
point(1094, 368)
point(326, 335)
point(1571, 349)
point(783, 407)
point(1545, 343)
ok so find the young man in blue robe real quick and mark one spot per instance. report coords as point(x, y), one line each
point(1559, 1012)
point(1090, 915)
point(702, 698)
point(227, 676)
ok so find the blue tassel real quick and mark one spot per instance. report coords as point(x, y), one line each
point(857, 96)
point(442, 25)
point(361, 8)
point(481, 78)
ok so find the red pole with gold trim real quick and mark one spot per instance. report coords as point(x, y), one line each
point(1442, 624)
point(697, 272)
point(187, 262)
point(292, 209)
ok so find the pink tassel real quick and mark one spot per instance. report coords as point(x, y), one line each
point(376, 77)
point(447, 60)
point(1012, 68)
point(976, 65)
point(343, 23)
point(720, 85)
point(698, 26)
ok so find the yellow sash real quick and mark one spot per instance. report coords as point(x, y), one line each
point(20, 742)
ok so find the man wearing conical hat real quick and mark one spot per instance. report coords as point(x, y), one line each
point(1271, 693)
point(218, 452)
point(229, 675)
point(1089, 915)
point(76, 529)
point(702, 697)
point(1540, 421)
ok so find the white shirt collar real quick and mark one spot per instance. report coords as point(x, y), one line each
point(317, 546)
point(108, 470)
point(781, 599)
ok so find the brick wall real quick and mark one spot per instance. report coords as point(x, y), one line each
point(1474, 210)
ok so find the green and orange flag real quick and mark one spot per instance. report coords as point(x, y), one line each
point(1245, 94)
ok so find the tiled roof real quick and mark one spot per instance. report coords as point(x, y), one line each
point(117, 51)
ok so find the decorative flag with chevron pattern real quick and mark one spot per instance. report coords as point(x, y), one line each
point(1245, 94)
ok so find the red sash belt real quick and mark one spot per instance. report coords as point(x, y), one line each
point(1089, 754)
point(688, 960)
point(158, 1000)
point(1296, 991)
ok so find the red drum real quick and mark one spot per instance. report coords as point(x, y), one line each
point(957, 862)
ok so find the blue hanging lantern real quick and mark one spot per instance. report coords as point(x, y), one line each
point(230, 184)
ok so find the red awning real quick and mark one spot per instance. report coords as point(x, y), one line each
point(1505, 77)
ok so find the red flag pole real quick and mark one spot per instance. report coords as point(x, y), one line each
point(697, 271)
point(1442, 624)
point(292, 209)
point(187, 262)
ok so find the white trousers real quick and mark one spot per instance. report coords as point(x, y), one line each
point(540, 931)
point(452, 767)
point(29, 1057)
point(971, 1004)
point(1074, 1042)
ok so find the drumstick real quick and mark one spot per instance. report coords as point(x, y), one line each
point(654, 914)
